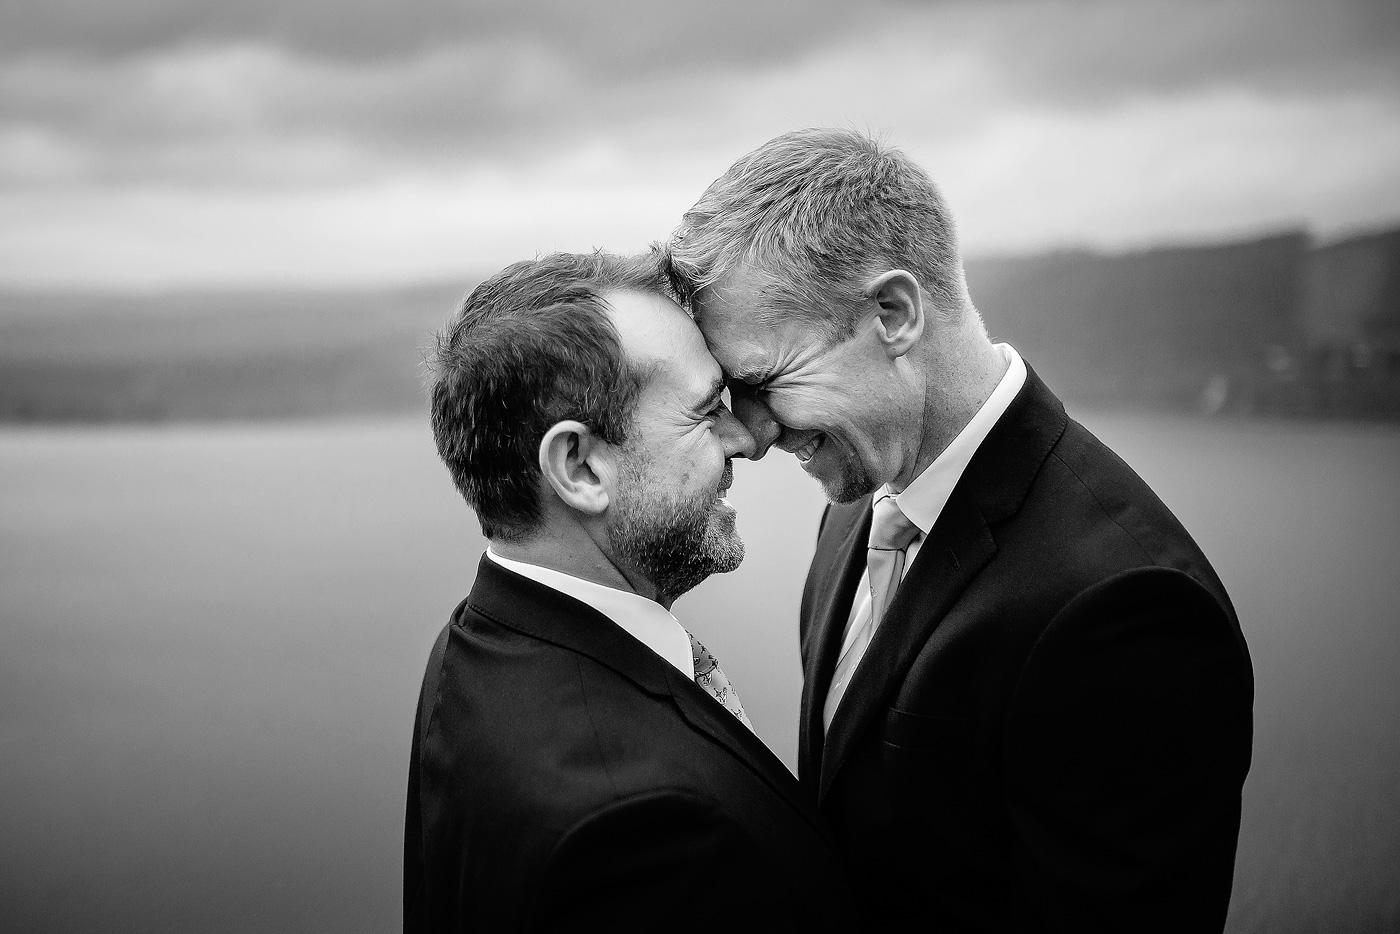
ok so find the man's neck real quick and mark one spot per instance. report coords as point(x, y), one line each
point(962, 372)
point(577, 555)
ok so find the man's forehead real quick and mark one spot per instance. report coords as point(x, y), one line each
point(663, 343)
point(737, 332)
point(690, 376)
point(737, 293)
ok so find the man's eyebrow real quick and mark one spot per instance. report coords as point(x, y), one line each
point(750, 373)
point(711, 397)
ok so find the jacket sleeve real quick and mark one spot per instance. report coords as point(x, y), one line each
point(666, 860)
point(1127, 743)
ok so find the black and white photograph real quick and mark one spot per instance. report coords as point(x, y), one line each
point(781, 465)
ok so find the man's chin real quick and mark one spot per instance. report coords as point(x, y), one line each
point(722, 547)
point(843, 479)
point(726, 553)
point(847, 486)
point(678, 548)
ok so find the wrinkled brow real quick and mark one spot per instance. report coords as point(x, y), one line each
point(750, 372)
point(711, 397)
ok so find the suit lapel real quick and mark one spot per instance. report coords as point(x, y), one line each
point(833, 579)
point(705, 714)
point(958, 546)
point(529, 607)
point(533, 609)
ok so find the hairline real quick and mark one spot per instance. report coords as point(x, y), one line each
point(611, 275)
point(645, 372)
point(700, 261)
point(771, 310)
point(641, 371)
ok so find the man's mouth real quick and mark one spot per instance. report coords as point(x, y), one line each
point(804, 453)
point(726, 480)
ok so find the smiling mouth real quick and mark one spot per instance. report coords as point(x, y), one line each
point(804, 453)
point(726, 480)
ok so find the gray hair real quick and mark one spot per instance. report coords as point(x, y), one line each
point(818, 213)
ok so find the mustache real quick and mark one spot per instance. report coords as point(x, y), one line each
point(726, 479)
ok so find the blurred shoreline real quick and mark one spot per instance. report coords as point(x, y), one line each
point(1276, 326)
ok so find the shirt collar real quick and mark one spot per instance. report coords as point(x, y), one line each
point(923, 500)
point(644, 620)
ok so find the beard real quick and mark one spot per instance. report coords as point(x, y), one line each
point(675, 541)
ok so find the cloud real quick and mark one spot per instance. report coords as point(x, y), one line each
point(314, 139)
point(638, 36)
point(255, 114)
point(1095, 52)
point(247, 93)
point(1211, 166)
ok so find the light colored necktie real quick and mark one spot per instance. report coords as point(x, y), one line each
point(711, 677)
point(891, 533)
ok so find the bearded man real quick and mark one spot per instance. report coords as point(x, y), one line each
point(579, 760)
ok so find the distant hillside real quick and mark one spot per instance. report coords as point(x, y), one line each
point(1152, 327)
point(190, 355)
point(1273, 325)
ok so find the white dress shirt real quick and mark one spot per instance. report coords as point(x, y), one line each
point(923, 500)
point(644, 620)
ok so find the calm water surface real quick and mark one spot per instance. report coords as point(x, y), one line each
point(211, 639)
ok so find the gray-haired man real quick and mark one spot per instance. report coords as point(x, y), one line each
point(1027, 699)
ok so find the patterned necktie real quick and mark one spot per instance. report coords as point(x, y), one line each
point(711, 678)
point(891, 533)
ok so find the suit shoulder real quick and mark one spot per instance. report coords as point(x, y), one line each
point(542, 728)
point(1153, 642)
point(1100, 503)
point(1137, 594)
point(559, 775)
point(1114, 485)
point(509, 706)
point(1147, 629)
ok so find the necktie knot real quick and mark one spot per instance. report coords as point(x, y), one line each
point(890, 528)
point(891, 533)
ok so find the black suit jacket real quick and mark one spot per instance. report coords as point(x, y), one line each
point(565, 777)
point(1051, 726)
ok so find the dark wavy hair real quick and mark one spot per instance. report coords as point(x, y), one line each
point(530, 347)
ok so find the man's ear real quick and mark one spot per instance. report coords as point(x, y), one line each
point(900, 321)
point(577, 464)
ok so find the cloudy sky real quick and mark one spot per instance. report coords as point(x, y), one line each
point(158, 143)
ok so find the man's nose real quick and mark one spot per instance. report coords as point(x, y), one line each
point(759, 422)
point(734, 436)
